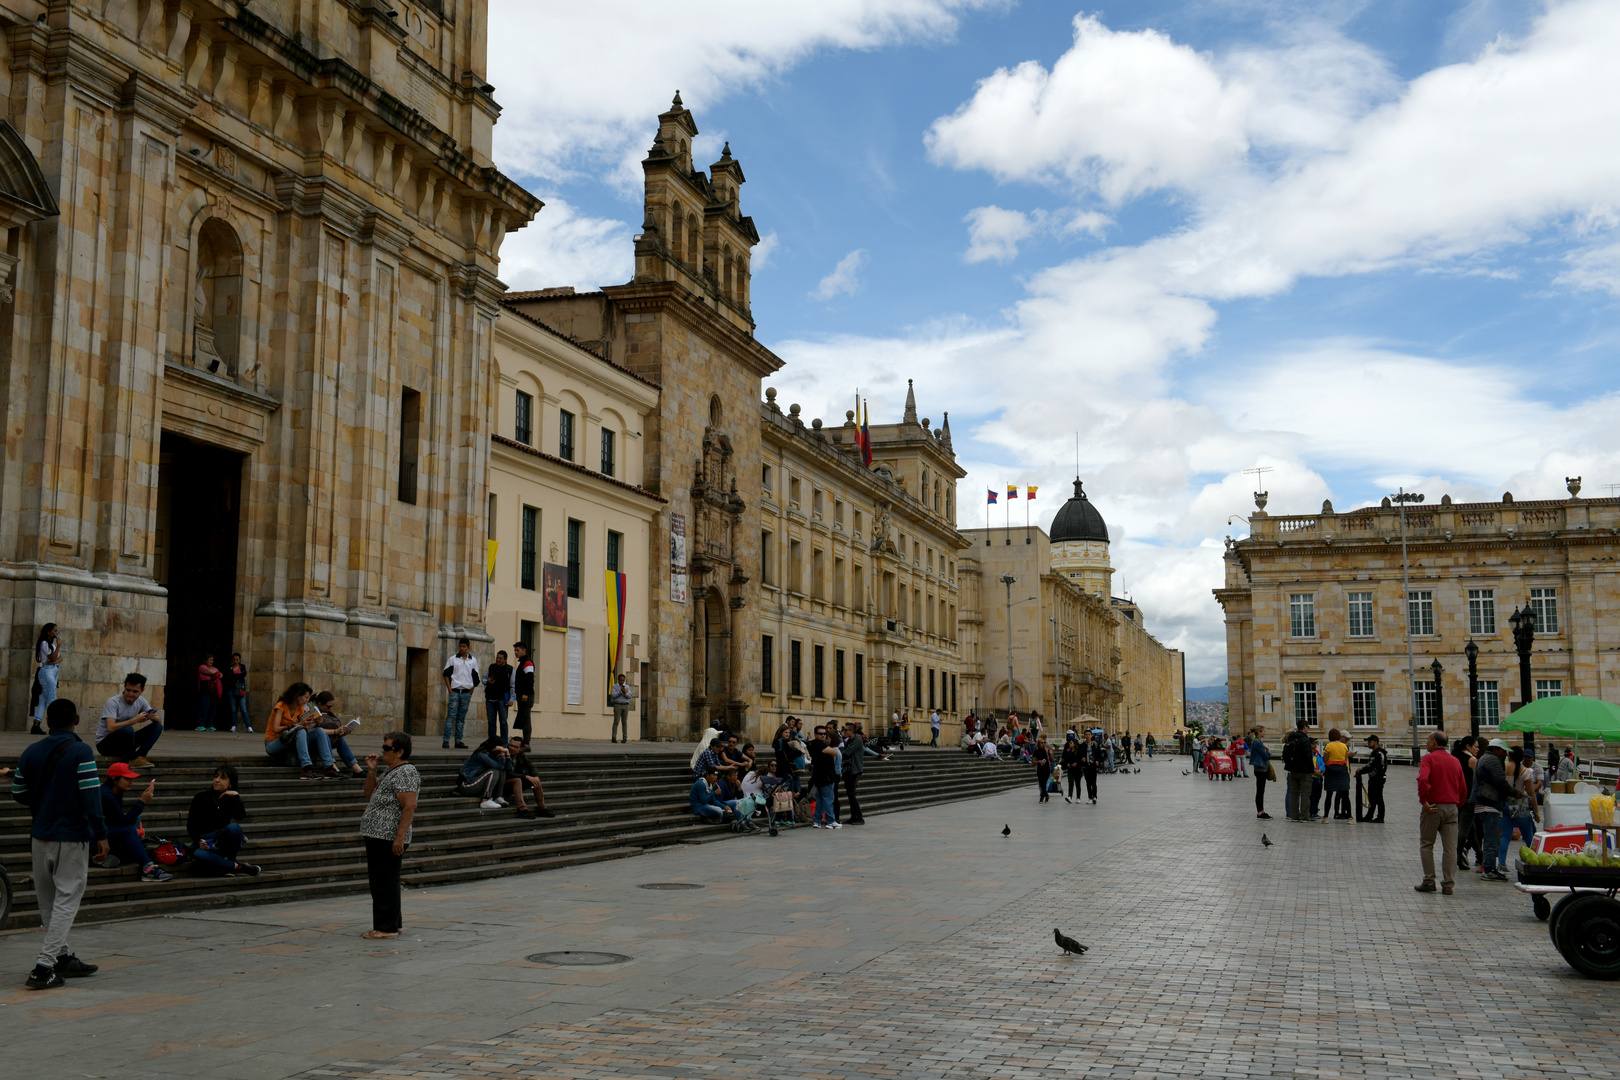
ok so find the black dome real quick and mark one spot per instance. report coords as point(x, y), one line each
point(1077, 519)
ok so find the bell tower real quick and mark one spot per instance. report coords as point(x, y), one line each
point(693, 231)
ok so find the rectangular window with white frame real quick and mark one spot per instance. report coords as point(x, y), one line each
point(1364, 703)
point(1544, 603)
point(1302, 615)
point(1305, 703)
point(1481, 611)
point(1549, 688)
point(1420, 613)
point(1361, 614)
point(1425, 707)
point(1490, 703)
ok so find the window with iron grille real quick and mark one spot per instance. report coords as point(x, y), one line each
point(607, 452)
point(1364, 704)
point(1302, 615)
point(1420, 612)
point(615, 544)
point(523, 419)
point(1544, 602)
point(1305, 703)
point(1481, 611)
point(531, 525)
point(565, 435)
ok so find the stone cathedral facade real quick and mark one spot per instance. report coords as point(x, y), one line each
point(250, 270)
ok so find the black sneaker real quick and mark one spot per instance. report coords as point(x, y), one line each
point(71, 967)
point(461, 746)
point(44, 978)
point(250, 869)
point(331, 772)
point(111, 862)
point(543, 812)
point(444, 746)
point(307, 773)
point(526, 814)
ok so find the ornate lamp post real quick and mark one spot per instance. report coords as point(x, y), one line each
point(1523, 622)
point(1472, 652)
point(1439, 705)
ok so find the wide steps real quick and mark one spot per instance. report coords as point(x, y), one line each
point(305, 833)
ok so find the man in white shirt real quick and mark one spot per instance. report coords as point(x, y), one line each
point(933, 726)
point(116, 731)
point(460, 678)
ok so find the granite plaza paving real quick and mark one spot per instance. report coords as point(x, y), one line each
point(917, 946)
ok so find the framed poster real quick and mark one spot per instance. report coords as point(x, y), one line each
point(576, 667)
point(554, 602)
point(677, 558)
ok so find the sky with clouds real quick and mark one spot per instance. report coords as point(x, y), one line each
point(1361, 244)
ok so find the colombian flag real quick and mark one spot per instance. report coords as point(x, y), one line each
point(616, 596)
point(991, 495)
point(1031, 492)
point(1012, 492)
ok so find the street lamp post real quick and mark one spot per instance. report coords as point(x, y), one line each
point(1439, 704)
point(1524, 636)
point(1401, 498)
point(1008, 580)
point(1472, 652)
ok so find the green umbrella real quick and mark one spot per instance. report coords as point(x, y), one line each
point(1572, 717)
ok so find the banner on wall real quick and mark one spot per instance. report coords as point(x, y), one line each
point(616, 590)
point(677, 558)
point(554, 598)
point(490, 548)
point(576, 666)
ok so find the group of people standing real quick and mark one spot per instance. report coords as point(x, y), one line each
point(1315, 770)
point(1473, 795)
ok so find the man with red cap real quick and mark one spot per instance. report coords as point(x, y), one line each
point(124, 826)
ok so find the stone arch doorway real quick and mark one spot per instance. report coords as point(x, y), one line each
point(711, 653)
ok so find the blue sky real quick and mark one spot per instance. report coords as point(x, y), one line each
point(1361, 244)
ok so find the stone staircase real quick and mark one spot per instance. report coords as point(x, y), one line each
point(304, 833)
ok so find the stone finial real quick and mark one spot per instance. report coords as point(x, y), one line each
point(1327, 506)
point(1260, 498)
point(770, 395)
point(849, 417)
point(945, 431)
point(676, 103)
point(910, 416)
point(1445, 500)
point(816, 423)
point(925, 423)
point(1574, 485)
point(793, 414)
point(1386, 504)
point(725, 151)
point(1507, 498)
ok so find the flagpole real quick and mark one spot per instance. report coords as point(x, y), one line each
point(1026, 519)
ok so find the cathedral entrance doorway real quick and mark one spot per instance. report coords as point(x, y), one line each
point(199, 516)
point(712, 681)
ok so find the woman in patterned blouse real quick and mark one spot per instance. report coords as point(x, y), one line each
point(386, 828)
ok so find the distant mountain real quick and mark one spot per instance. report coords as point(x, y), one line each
point(1207, 693)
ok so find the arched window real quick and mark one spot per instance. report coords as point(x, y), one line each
point(216, 304)
point(694, 250)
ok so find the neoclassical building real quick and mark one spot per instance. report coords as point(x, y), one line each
point(858, 585)
point(1317, 626)
point(247, 351)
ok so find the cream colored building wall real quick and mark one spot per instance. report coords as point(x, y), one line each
point(1152, 676)
point(1085, 562)
point(253, 174)
point(880, 544)
point(1510, 548)
point(558, 374)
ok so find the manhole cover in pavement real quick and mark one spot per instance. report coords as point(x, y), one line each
point(578, 959)
point(670, 885)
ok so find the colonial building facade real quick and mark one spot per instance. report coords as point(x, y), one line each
point(1317, 624)
point(248, 355)
point(567, 508)
point(858, 590)
point(684, 324)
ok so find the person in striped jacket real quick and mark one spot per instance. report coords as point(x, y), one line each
point(56, 779)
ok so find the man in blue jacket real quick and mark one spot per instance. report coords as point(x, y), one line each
point(56, 779)
point(124, 823)
point(705, 803)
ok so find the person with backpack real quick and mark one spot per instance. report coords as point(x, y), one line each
point(1299, 760)
point(56, 779)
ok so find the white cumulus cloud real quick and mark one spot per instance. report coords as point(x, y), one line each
point(844, 279)
point(564, 247)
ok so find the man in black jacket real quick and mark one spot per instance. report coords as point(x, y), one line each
point(523, 688)
point(1298, 760)
point(56, 779)
point(1375, 769)
point(1464, 750)
point(854, 768)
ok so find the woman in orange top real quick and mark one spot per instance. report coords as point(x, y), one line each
point(1336, 775)
point(290, 735)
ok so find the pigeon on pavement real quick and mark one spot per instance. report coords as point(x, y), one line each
point(1006, 830)
point(1066, 943)
point(1266, 840)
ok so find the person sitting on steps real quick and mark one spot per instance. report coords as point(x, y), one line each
point(705, 803)
point(483, 774)
point(216, 838)
point(129, 726)
point(324, 708)
point(520, 774)
point(290, 734)
point(124, 826)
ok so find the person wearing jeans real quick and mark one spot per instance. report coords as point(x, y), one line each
point(288, 737)
point(1491, 792)
point(620, 698)
point(236, 692)
point(460, 677)
point(116, 732)
point(48, 651)
point(216, 838)
point(1260, 759)
point(497, 688)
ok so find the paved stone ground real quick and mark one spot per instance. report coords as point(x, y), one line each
point(919, 946)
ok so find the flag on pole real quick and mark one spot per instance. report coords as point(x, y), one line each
point(990, 497)
point(866, 437)
point(1031, 490)
point(1012, 492)
point(616, 595)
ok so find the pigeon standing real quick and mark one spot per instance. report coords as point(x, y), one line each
point(1066, 943)
point(1006, 830)
point(1266, 840)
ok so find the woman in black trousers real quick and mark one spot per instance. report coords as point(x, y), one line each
point(386, 828)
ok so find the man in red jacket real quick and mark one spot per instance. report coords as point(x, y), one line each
point(1441, 789)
